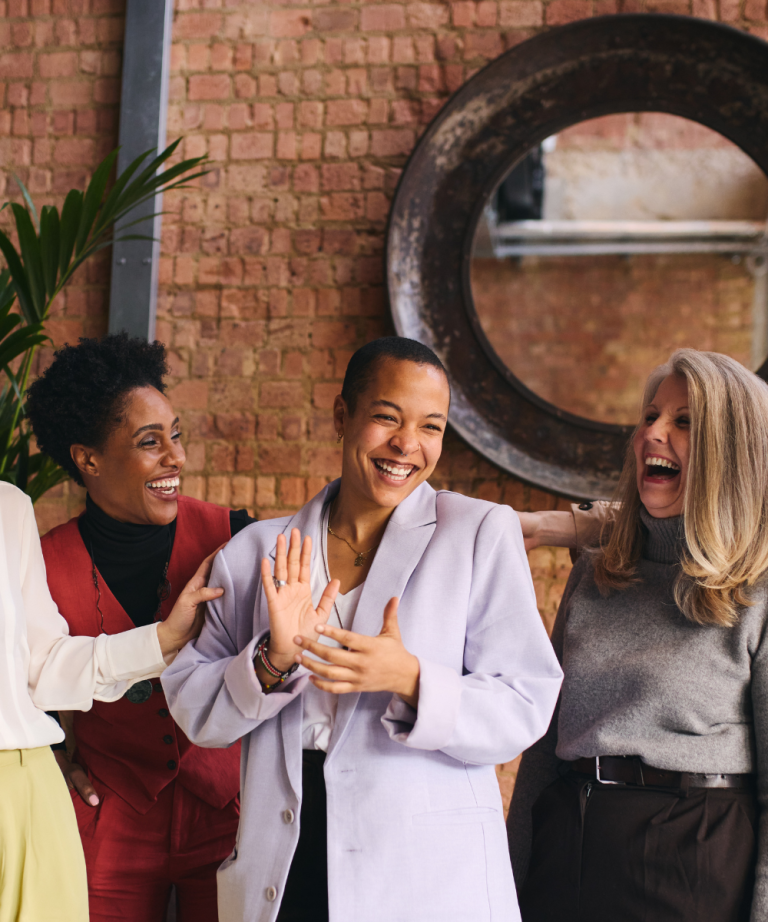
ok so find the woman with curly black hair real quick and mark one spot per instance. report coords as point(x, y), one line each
point(153, 810)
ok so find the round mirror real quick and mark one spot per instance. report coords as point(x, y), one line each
point(623, 199)
point(614, 242)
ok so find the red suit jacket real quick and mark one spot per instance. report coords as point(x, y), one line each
point(137, 749)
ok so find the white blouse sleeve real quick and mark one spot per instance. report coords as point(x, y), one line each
point(67, 673)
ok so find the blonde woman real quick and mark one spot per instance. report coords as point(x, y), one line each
point(42, 870)
point(644, 800)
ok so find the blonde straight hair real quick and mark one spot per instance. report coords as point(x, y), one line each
point(725, 505)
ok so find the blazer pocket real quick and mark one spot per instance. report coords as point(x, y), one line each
point(456, 817)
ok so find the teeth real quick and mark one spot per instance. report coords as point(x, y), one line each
point(397, 471)
point(167, 486)
point(662, 462)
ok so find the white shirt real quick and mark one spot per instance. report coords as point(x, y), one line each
point(42, 668)
point(320, 706)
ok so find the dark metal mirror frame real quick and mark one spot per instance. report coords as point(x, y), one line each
point(699, 70)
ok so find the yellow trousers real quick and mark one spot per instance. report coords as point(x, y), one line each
point(42, 869)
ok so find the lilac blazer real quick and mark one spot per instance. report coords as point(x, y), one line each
point(415, 823)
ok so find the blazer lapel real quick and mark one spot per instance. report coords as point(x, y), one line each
point(406, 538)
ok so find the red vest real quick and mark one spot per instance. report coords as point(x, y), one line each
point(137, 749)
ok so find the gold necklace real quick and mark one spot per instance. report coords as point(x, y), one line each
point(360, 556)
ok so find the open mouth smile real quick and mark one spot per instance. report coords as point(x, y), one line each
point(660, 470)
point(393, 470)
point(165, 488)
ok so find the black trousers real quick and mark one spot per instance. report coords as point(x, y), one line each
point(306, 889)
point(609, 853)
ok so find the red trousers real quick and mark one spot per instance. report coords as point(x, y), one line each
point(133, 859)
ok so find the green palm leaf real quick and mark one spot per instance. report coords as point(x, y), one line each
point(51, 248)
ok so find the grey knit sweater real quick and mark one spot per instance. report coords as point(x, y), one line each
point(640, 679)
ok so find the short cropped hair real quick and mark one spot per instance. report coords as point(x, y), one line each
point(81, 397)
point(362, 366)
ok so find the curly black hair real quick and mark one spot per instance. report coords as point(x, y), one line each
point(80, 399)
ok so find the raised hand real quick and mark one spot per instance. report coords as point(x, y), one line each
point(364, 664)
point(291, 612)
point(188, 614)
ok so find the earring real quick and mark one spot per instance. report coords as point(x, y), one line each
point(339, 437)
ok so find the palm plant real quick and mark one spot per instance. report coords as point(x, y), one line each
point(51, 248)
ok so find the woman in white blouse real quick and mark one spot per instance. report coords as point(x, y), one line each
point(43, 668)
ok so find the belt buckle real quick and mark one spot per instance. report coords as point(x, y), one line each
point(598, 772)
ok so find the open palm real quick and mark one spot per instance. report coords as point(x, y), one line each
point(291, 612)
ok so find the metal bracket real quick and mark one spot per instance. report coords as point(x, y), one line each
point(143, 111)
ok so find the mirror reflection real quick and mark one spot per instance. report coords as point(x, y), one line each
point(614, 242)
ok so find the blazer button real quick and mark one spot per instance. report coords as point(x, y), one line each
point(271, 894)
point(171, 764)
point(167, 739)
point(288, 816)
point(163, 712)
point(585, 507)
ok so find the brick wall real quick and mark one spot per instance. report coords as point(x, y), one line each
point(59, 106)
point(272, 266)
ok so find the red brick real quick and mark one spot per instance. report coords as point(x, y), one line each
point(382, 18)
point(562, 11)
point(289, 23)
point(281, 394)
point(521, 13)
point(342, 206)
point(391, 142)
point(489, 45)
point(346, 112)
point(340, 176)
point(74, 151)
point(244, 458)
point(196, 25)
point(324, 462)
point(253, 240)
point(242, 492)
point(293, 491)
point(430, 16)
point(16, 65)
point(209, 86)
point(252, 145)
point(189, 395)
point(279, 459)
point(335, 20)
point(332, 335)
point(463, 13)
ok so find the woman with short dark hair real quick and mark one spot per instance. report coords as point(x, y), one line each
point(167, 810)
point(371, 727)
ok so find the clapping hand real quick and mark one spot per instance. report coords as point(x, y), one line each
point(362, 663)
point(291, 612)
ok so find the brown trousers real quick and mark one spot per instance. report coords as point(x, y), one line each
point(609, 853)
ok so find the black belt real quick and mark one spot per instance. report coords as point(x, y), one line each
point(632, 770)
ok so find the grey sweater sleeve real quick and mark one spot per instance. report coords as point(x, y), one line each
point(759, 689)
point(538, 768)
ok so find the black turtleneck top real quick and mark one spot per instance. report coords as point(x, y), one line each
point(131, 558)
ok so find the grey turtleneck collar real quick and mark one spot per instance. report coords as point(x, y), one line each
point(664, 538)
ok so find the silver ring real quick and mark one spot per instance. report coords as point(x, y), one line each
point(279, 582)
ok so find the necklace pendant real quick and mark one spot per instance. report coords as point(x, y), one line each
point(360, 560)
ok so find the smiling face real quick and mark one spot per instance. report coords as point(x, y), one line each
point(135, 476)
point(662, 446)
point(393, 440)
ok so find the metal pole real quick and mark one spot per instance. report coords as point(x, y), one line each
point(143, 110)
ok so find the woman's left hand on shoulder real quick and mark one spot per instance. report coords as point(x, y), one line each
point(362, 663)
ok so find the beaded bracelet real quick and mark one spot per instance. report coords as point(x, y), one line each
point(261, 656)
